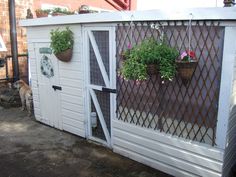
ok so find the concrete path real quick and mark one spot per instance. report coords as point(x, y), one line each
point(31, 149)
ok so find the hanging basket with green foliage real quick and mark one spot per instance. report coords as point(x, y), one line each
point(62, 44)
point(148, 58)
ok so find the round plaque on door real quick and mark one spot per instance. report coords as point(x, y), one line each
point(46, 67)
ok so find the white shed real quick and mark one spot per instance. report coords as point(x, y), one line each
point(183, 130)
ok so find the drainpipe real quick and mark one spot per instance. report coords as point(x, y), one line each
point(13, 36)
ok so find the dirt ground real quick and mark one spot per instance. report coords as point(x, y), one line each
point(31, 149)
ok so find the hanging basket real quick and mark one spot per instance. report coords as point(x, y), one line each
point(152, 69)
point(122, 57)
point(186, 69)
point(65, 56)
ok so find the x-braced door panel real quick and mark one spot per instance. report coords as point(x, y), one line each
point(100, 82)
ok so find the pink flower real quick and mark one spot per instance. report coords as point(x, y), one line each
point(184, 54)
point(129, 46)
point(188, 55)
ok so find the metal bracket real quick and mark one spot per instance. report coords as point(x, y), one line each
point(104, 89)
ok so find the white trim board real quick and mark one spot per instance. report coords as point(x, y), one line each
point(226, 86)
point(220, 14)
point(166, 153)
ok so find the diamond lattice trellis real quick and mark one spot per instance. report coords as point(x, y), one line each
point(187, 111)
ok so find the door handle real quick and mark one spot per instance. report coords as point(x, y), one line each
point(55, 87)
point(104, 89)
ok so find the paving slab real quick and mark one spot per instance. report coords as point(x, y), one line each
point(31, 149)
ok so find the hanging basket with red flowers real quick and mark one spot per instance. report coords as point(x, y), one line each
point(187, 65)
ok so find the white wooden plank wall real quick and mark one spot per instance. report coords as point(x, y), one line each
point(230, 150)
point(163, 152)
point(34, 84)
point(71, 80)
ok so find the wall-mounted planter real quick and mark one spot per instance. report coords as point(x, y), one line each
point(42, 13)
point(58, 14)
point(65, 56)
point(62, 43)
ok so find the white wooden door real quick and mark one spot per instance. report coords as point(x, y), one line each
point(48, 83)
point(99, 48)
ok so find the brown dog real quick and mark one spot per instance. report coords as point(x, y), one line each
point(25, 96)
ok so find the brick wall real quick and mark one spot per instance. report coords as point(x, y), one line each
point(75, 4)
point(20, 9)
point(21, 12)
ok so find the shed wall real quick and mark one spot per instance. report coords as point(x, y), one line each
point(166, 153)
point(71, 79)
point(172, 155)
point(229, 167)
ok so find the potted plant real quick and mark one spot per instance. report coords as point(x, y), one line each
point(42, 13)
point(187, 65)
point(134, 70)
point(125, 54)
point(166, 60)
point(144, 53)
point(148, 55)
point(60, 11)
point(153, 56)
point(62, 43)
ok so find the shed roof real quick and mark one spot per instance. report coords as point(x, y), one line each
point(222, 14)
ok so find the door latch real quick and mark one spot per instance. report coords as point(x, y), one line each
point(104, 89)
point(55, 87)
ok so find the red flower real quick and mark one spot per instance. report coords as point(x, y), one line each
point(191, 54)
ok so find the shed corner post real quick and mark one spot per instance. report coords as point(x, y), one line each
point(227, 77)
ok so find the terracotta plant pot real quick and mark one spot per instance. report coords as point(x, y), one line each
point(41, 14)
point(65, 56)
point(152, 69)
point(58, 14)
point(186, 69)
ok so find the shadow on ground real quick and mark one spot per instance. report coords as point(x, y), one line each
point(31, 149)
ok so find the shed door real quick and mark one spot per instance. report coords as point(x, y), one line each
point(48, 83)
point(101, 89)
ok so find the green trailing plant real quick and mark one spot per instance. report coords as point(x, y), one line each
point(61, 40)
point(146, 53)
point(134, 70)
point(58, 10)
point(166, 58)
